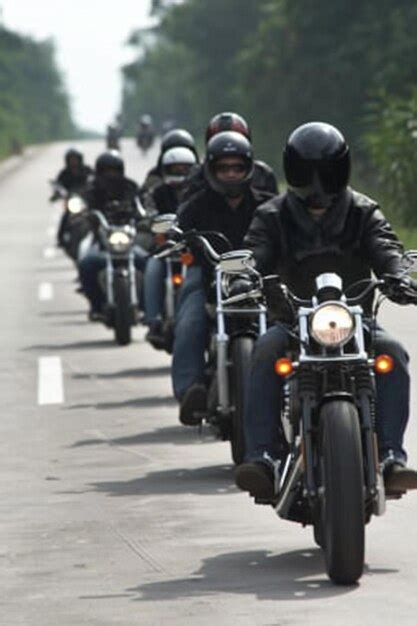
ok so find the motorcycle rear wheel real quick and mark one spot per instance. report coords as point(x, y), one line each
point(342, 506)
point(240, 357)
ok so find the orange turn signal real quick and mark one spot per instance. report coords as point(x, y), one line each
point(284, 367)
point(177, 279)
point(187, 258)
point(384, 364)
point(160, 239)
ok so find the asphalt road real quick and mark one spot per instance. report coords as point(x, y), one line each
point(110, 511)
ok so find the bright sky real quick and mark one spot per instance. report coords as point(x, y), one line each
point(89, 36)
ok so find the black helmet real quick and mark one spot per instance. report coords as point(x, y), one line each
point(227, 121)
point(110, 160)
point(228, 144)
point(73, 153)
point(317, 163)
point(178, 138)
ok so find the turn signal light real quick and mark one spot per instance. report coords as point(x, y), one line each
point(187, 258)
point(284, 367)
point(177, 279)
point(384, 364)
point(160, 239)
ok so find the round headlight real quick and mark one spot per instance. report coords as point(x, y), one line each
point(75, 205)
point(332, 325)
point(119, 240)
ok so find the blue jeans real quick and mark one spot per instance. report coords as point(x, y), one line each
point(265, 391)
point(191, 326)
point(91, 265)
point(154, 289)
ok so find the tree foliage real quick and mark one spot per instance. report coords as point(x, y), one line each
point(34, 105)
point(279, 62)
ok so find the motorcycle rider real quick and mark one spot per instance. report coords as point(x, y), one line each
point(145, 133)
point(226, 206)
point(175, 138)
point(263, 175)
point(75, 174)
point(321, 225)
point(176, 164)
point(117, 197)
point(73, 177)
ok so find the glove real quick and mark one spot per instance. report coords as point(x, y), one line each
point(400, 289)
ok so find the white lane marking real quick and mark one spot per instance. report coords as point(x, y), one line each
point(50, 380)
point(49, 252)
point(45, 292)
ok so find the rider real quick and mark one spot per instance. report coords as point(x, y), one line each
point(226, 206)
point(176, 164)
point(176, 138)
point(117, 197)
point(75, 174)
point(73, 177)
point(263, 175)
point(320, 225)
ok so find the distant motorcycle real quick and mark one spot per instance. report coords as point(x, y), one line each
point(145, 140)
point(74, 224)
point(119, 280)
point(331, 477)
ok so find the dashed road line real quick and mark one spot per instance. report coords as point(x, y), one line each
point(45, 292)
point(50, 380)
point(49, 252)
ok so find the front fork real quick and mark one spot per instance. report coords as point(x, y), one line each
point(131, 274)
point(222, 347)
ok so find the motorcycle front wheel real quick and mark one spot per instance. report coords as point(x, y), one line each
point(342, 500)
point(122, 312)
point(240, 358)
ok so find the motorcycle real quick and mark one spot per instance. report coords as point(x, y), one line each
point(145, 140)
point(233, 329)
point(331, 477)
point(74, 224)
point(119, 280)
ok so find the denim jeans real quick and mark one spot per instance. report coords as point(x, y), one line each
point(191, 327)
point(265, 389)
point(154, 289)
point(90, 267)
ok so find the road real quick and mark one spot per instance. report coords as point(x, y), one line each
point(110, 511)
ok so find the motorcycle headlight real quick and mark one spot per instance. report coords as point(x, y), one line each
point(119, 241)
point(75, 205)
point(332, 325)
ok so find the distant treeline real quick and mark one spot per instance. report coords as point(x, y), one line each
point(283, 62)
point(34, 105)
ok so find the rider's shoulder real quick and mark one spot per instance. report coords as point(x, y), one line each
point(272, 207)
point(362, 202)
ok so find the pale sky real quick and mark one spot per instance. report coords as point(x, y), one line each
point(89, 36)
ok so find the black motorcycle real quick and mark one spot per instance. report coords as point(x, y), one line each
point(234, 327)
point(74, 224)
point(119, 281)
point(331, 477)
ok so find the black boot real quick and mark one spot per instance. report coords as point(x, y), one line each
point(193, 404)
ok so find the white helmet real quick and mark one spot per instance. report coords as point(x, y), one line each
point(176, 165)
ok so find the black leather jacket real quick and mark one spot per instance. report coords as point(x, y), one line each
point(352, 240)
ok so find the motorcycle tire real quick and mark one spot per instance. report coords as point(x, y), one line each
point(122, 311)
point(342, 504)
point(240, 358)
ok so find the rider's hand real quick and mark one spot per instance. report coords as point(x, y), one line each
point(400, 289)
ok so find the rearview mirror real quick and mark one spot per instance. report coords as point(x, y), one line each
point(237, 261)
point(409, 261)
point(162, 224)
